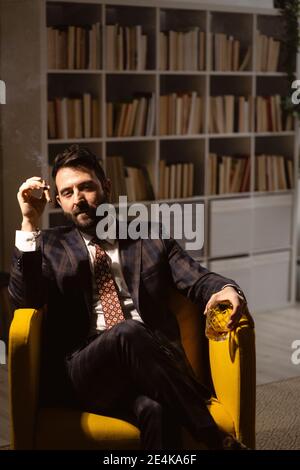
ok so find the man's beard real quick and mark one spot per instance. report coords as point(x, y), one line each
point(84, 216)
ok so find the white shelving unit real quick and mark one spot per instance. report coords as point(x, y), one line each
point(249, 236)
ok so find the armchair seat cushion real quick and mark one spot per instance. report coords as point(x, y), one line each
point(59, 428)
point(62, 428)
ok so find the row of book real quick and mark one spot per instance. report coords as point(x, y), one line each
point(269, 116)
point(227, 54)
point(77, 47)
point(80, 47)
point(181, 114)
point(74, 47)
point(126, 47)
point(273, 173)
point(234, 114)
point(74, 117)
point(131, 181)
point(176, 180)
point(134, 118)
point(228, 174)
point(229, 113)
point(185, 50)
point(182, 50)
point(267, 53)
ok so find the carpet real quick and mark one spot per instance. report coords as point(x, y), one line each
point(278, 415)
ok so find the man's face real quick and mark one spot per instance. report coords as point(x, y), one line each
point(79, 194)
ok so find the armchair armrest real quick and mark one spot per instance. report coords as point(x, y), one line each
point(233, 370)
point(24, 372)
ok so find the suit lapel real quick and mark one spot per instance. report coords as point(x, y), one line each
point(79, 258)
point(130, 256)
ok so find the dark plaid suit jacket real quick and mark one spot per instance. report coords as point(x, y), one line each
point(58, 274)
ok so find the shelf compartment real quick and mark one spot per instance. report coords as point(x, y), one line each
point(231, 50)
point(74, 35)
point(182, 105)
point(274, 169)
point(141, 21)
point(228, 166)
point(271, 27)
point(137, 184)
point(270, 115)
point(183, 152)
point(130, 112)
point(74, 107)
point(231, 105)
point(182, 40)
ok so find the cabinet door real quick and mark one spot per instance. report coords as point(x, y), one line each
point(270, 280)
point(230, 227)
point(272, 222)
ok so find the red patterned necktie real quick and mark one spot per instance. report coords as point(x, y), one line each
point(108, 294)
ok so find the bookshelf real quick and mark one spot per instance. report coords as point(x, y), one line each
point(250, 228)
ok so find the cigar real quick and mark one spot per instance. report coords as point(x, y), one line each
point(47, 194)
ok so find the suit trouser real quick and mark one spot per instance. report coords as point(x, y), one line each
point(126, 372)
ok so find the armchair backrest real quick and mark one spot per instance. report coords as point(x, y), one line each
point(24, 375)
point(6, 311)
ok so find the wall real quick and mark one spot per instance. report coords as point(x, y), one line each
point(21, 116)
point(1, 170)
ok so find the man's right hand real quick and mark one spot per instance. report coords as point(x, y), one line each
point(31, 207)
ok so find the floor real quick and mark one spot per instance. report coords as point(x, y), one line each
point(275, 332)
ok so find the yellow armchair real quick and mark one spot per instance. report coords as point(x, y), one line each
point(228, 365)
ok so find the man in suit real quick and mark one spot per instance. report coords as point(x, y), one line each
point(108, 334)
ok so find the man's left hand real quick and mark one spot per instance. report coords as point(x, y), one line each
point(228, 294)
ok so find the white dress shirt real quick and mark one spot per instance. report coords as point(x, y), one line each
point(26, 241)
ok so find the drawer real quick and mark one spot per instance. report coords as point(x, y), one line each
point(230, 227)
point(272, 222)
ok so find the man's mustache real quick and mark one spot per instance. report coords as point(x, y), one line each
point(83, 208)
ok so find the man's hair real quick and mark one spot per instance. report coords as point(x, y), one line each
point(76, 156)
